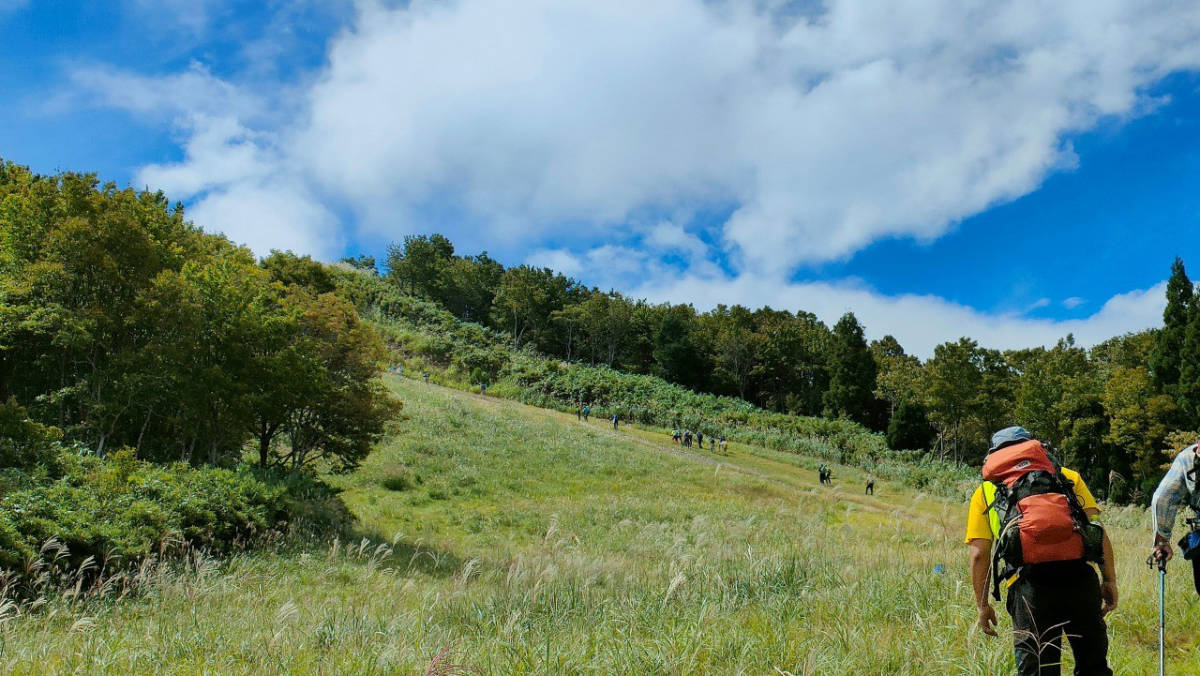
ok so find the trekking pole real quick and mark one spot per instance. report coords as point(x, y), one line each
point(1162, 617)
point(1161, 562)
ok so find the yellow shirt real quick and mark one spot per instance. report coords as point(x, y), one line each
point(977, 518)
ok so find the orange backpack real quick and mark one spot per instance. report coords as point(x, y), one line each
point(1039, 519)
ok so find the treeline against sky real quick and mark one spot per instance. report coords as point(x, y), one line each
point(1115, 411)
point(123, 325)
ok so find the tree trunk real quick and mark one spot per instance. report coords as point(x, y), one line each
point(142, 433)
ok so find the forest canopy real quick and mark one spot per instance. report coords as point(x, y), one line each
point(123, 325)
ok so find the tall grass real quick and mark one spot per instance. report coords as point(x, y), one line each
point(526, 542)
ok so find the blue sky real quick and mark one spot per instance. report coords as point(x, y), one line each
point(1002, 172)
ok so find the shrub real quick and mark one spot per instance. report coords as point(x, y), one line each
point(120, 510)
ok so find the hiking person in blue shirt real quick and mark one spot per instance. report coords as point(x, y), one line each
point(587, 410)
point(1177, 488)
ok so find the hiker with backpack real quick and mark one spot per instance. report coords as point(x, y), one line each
point(870, 486)
point(1034, 517)
point(616, 418)
point(587, 410)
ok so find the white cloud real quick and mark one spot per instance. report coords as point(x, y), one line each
point(1073, 302)
point(558, 260)
point(830, 133)
point(823, 133)
point(193, 92)
point(266, 216)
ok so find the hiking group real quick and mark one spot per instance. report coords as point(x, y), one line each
point(685, 437)
point(1031, 530)
point(716, 443)
point(824, 475)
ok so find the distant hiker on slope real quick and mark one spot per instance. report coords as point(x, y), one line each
point(687, 438)
point(870, 486)
point(587, 410)
point(676, 436)
point(1178, 488)
point(579, 410)
point(700, 438)
point(616, 419)
point(1036, 516)
point(721, 442)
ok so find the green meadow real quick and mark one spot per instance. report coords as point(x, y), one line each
point(495, 537)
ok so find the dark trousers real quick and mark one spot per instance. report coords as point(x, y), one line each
point(1049, 600)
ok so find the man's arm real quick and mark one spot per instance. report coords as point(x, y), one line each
point(1171, 492)
point(1108, 571)
point(981, 567)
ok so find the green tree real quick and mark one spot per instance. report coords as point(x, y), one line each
point(287, 268)
point(677, 356)
point(1141, 421)
point(525, 304)
point(420, 264)
point(361, 262)
point(899, 374)
point(792, 368)
point(909, 428)
point(1187, 393)
point(1166, 361)
point(953, 378)
point(852, 373)
point(737, 345)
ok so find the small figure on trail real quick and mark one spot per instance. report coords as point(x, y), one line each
point(676, 436)
point(687, 438)
point(700, 438)
point(870, 486)
point(579, 410)
point(616, 419)
point(426, 374)
point(587, 410)
point(721, 442)
point(483, 389)
point(1052, 585)
point(821, 473)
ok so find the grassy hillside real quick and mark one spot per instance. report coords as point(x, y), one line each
point(506, 538)
point(427, 338)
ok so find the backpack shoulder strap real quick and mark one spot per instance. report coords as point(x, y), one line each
point(992, 493)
